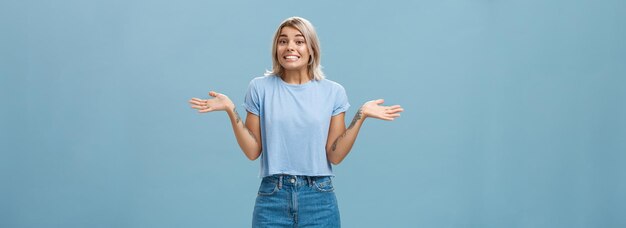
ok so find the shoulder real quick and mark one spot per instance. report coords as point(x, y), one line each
point(263, 81)
point(335, 86)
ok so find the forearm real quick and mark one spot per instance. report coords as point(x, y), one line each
point(340, 148)
point(248, 142)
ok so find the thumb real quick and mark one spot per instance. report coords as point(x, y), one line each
point(379, 101)
point(213, 94)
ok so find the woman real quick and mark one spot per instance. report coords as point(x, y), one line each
point(295, 122)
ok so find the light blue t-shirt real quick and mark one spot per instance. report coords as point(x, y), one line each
point(295, 120)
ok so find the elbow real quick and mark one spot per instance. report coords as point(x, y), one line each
point(253, 155)
point(334, 161)
point(332, 157)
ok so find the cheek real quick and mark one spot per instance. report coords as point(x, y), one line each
point(305, 52)
point(279, 50)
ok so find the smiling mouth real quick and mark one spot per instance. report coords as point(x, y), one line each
point(291, 58)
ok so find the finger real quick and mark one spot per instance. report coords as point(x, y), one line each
point(205, 110)
point(394, 111)
point(199, 107)
point(394, 106)
point(213, 94)
point(198, 102)
point(195, 99)
point(389, 109)
point(379, 101)
point(393, 116)
point(382, 116)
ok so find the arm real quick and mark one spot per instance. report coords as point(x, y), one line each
point(341, 140)
point(248, 135)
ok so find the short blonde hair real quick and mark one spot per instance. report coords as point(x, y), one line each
point(312, 42)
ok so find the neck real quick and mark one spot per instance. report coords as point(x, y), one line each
point(296, 77)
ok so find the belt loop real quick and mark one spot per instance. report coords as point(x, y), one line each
point(308, 178)
point(280, 182)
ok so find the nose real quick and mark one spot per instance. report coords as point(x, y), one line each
point(291, 46)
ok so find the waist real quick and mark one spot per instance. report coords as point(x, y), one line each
point(296, 180)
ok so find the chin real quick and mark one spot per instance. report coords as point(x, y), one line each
point(292, 67)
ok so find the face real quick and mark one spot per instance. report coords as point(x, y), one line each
point(292, 51)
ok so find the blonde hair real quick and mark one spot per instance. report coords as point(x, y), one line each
point(312, 42)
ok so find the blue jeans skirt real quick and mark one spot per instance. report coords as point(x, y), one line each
point(296, 201)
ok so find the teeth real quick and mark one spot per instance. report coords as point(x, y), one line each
point(291, 57)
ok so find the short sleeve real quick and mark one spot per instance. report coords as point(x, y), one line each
point(341, 101)
point(251, 100)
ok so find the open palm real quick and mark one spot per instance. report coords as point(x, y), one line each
point(376, 110)
point(219, 102)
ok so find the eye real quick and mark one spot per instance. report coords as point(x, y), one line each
point(282, 42)
point(300, 42)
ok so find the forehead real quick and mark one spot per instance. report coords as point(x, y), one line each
point(290, 32)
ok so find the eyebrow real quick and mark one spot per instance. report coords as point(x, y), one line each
point(283, 35)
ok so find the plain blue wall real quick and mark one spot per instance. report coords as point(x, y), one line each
point(515, 111)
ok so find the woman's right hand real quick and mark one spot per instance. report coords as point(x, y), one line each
point(219, 102)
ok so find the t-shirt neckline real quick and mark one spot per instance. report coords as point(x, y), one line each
point(307, 84)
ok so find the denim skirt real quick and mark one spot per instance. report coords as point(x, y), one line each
point(296, 201)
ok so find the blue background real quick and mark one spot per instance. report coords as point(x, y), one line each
point(515, 111)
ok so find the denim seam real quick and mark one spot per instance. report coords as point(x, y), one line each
point(276, 188)
point(332, 188)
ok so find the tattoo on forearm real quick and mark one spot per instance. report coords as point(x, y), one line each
point(237, 118)
point(357, 116)
point(334, 146)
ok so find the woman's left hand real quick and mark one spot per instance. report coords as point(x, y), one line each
point(376, 110)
